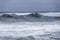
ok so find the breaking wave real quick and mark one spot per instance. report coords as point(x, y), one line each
point(27, 18)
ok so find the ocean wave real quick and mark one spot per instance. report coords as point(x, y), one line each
point(27, 18)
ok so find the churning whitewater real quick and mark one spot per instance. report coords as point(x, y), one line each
point(29, 27)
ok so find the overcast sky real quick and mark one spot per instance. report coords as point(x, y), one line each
point(29, 5)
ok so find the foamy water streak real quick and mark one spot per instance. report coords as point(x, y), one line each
point(28, 28)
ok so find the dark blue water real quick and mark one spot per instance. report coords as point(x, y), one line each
point(28, 18)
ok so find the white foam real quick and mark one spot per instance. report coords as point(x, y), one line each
point(53, 14)
point(27, 28)
point(22, 13)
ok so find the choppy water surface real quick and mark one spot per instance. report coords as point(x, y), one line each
point(30, 31)
point(29, 27)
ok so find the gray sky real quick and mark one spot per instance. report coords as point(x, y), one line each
point(29, 5)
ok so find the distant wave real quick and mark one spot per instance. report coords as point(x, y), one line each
point(28, 18)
